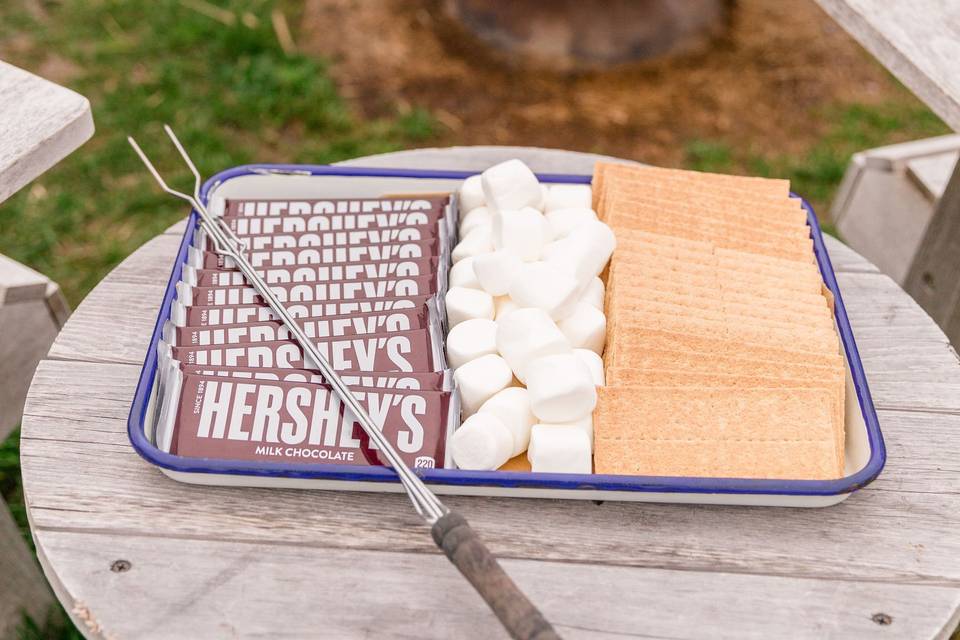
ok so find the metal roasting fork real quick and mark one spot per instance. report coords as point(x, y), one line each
point(450, 530)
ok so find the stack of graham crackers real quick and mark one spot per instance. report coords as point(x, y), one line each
point(722, 356)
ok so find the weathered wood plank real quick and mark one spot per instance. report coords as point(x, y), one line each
point(22, 588)
point(40, 124)
point(934, 276)
point(480, 158)
point(846, 260)
point(26, 332)
point(76, 419)
point(256, 591)
point(918, 44)
point(19, 283)
point(115, 321)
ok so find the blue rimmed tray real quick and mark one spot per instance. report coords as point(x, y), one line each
point(865, 453)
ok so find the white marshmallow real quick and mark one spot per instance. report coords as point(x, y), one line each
point(471, 194)
point(526, 334)
point(495, 271)
point(482, 443)
point(463, 275)
point(463, 304)
point(469, 340)
point(524, 232)
point(473, 219)
point(568, 196)
point(561, 388)
point(546, 286)
point(585, 251)
point(512, 407)
point(594, 362)
point(510, 185)
point(585, 424)
point(585, 328)
point(502, 306)
point(478, 241)
point(479, 379)
point(550, 249)
point(594, 293)
point(559, 449)
point(563, 221)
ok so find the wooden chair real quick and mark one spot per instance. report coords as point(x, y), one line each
point(32, 310)
point(40, 123)
point(899, 207)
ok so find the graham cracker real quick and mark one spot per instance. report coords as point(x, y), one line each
point(807, 460)
point(796, 249)
point(722, 183)
point(630, 263)
point(744, 262)
point(743, 304)
point(780, 216)
point(741, 378)
point(761, 288)
point(716, 230)
point(639, 322)
point(629, 420)
point(731, 313)
point(711, 346)
point(627, 214)
point(696, 362)
point(638, 270)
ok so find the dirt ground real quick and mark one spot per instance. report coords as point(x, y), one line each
point(762, 86)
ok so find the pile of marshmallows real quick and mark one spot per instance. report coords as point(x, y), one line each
point(527, 329)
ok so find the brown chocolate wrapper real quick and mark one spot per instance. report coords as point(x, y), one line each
point(272, 330)
point(256, 226)
point(303, 423)
point(434, 205)
point(431, 242)
point(215, 276)
point(326, 255)
point(205, 315)
point(314, 291)
point(403, 351)
point(411, 381)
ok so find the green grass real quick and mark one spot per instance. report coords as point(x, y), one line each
point(816, 174)
point(230, 92)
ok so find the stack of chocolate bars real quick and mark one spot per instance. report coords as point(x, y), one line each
point(363, 278)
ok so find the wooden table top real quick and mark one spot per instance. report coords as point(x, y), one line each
point(40, 124)
point(133, 554)
point(919, 42)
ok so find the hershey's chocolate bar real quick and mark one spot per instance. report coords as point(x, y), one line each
point(325, 255)
point(304, 423)
point(435, 205)
point(204, 315)
point(400, 351)
point(319, 272)
point(256, 226)
point(407, 235)
point(272, 330)
point(416, 381)
point(313, 291)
